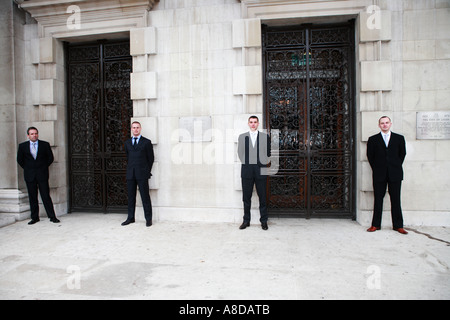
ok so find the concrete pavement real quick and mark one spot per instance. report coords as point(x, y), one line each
point(91, 256)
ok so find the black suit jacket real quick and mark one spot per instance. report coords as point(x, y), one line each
point(253, 156)
point(386, 162)
point(140, 159)
point(35, 169)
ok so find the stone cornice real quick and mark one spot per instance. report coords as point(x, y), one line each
point(273, 9)
point(108, 15)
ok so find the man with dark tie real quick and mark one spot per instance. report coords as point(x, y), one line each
point(140, 158)
point(254, 153)
point(386, 152)
point(35, 156)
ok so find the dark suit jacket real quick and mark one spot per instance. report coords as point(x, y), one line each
point(386, 162)
point(140, 159)
point(35, 169)
point(253, 156)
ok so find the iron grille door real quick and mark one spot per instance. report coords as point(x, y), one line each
point(309, 101)
point(100, 110)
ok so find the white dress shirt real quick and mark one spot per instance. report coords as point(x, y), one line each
point(254, 136)
point(137, 140)
point(386, 137)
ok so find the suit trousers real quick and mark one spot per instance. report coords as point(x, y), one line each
point(247, 191)
point(144, 190)
point(44, 190)
point(379, 189)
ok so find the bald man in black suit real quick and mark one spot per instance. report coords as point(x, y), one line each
point(386, 152)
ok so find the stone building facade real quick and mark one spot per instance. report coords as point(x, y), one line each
point(195, 70)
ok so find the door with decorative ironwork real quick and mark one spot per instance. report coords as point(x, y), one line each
point(99, 112)
point(309, 109)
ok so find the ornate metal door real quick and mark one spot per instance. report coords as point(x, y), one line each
point(309, 102)
point(99, 112)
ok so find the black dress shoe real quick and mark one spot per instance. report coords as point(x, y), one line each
point(264, 226)
point(148, 223)
point(127, 222)
point(54, 220)
point(33, 221)
point(244, 225)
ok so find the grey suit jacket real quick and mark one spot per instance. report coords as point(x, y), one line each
point(253, 156)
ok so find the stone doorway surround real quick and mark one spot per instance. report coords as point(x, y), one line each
point(56, 22)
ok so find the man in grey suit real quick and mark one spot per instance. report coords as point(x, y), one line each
point(140, 157)
point(254, 153)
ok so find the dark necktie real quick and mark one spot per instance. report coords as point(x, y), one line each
point(134, 141)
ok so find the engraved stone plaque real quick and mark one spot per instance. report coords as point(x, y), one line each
point(433, 125)
point(195, 129)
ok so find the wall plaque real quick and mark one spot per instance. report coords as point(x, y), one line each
point(433, 125)
point(195, 129)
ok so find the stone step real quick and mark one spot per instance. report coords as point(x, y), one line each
point(7, 218)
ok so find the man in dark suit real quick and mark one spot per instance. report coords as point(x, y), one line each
point(140, 157)
point(254, 153)
point(35, 156)
point(386, 152)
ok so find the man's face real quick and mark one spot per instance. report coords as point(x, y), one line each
point(385, 124)
point(33, 135)
point(136, 129)
point(253, 124)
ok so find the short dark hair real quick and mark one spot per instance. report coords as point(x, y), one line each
point(384, 117)
point(137, 123)
point(253, 117)
point(32, 128)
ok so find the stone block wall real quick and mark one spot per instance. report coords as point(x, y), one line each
point(203, 59)
point(400, 76)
